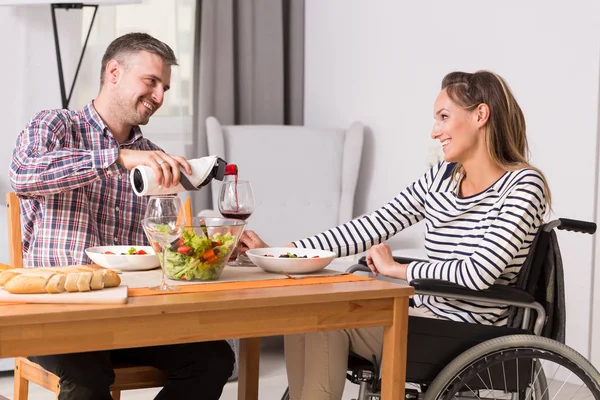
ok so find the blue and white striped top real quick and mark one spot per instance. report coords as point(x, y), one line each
point(473, 241)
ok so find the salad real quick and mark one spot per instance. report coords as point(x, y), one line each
point(198, 257)
point(131, 252)
point(290, 255)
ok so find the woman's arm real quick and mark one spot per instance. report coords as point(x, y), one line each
point(519, 216)
point(381, 261)
point(358, 235)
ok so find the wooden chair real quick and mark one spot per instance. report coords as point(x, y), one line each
point(126, 376)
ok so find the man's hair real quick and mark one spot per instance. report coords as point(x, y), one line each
point(132, 43)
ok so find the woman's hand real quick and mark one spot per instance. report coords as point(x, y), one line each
point(250, 240)
point(380, 261)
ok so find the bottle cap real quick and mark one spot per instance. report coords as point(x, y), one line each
point(231, 169)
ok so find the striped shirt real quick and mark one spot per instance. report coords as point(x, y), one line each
point(473, 241)
point(73, 193)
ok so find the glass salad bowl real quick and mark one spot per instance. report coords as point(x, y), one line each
point(202, 250)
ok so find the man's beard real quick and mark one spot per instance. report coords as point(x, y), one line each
point(130, 114)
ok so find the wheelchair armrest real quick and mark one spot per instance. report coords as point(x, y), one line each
point(362, 264)
point(499, 293)
point(357, 268)
point(398, 259)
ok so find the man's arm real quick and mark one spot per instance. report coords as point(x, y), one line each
point(41, 165)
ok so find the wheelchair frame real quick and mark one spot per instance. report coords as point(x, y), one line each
point(365, 373)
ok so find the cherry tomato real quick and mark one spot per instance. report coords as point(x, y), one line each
point(141, 252)
point(109, 252)
point(183, 249)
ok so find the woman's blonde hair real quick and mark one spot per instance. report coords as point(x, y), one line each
point(505, 131)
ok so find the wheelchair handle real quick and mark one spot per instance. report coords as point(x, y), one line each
point(574, 225)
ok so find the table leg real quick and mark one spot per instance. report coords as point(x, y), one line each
point(248, 369)
point(393, 369)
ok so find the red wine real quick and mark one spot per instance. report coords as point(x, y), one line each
point(237, 203)
point(236, 215)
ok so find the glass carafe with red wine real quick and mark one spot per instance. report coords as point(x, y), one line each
point(236, 200)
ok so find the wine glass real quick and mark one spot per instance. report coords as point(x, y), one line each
point(163, 224)
point(163, 205)
point(236, 200)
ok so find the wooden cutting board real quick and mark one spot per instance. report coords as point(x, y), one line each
point(116, 295)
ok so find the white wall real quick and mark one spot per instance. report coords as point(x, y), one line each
point(382, 61)
point(30, 77)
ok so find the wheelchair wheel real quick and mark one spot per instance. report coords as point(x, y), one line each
point(524, 367)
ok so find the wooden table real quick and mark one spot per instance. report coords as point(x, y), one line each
point(248, 314)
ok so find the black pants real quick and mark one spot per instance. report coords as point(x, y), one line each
point(194, 370)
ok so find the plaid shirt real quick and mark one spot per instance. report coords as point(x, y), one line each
point(73, 193)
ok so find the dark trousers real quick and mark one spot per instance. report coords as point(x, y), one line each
point(194, 371)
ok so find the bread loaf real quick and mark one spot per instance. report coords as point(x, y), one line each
point(83, 281)
point(8, 275)
point(79, 278)
point(111, 278)
point(4, 267)
point(71, 282)
point(56, 284)
point(34, 282)
point(97, 281)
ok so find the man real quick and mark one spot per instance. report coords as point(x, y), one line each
point(71, 171)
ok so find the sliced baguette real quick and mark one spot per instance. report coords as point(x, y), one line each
point(8, 275)
point(97, 281)
point(56, 284)
point(99, 278)
point(29, 283)
point(71, 282)
point(111, 278)
point(83, 281)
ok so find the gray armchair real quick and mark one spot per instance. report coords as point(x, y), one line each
point(303, 178)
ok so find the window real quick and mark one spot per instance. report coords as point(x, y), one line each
point(173, 22)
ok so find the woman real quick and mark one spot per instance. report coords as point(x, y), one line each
point(482, 207)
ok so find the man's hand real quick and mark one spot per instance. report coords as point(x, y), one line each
point(380, 261)
point(165, 166)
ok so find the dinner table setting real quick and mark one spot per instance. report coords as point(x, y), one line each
point(190, 284)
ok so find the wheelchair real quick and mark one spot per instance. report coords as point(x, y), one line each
point(524, 360)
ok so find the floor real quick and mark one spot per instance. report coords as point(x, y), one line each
point(273, 381)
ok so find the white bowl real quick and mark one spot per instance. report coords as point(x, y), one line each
point(126, 262)
point(290, 265)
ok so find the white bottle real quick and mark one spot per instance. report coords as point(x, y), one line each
point(204, 170)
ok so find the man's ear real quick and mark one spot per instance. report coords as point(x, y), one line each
point(112, 71)
point(481, 114)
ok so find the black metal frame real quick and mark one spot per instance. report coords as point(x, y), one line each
point(61, 77)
